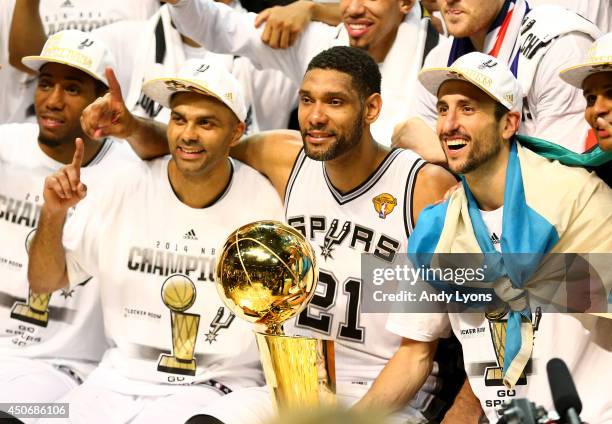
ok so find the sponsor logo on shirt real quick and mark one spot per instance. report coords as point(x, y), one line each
point(495, 239)
point(190, 235)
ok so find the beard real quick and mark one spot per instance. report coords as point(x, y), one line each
point(343, 143)
point(481, 151)
point(60, 140)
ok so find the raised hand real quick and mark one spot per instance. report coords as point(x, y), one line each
point(108, 115)
point(284, 24)
point(64, 188)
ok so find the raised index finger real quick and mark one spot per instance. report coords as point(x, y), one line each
point(114, 88)
point(79, 152)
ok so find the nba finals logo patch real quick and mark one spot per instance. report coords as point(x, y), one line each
point(384, 204)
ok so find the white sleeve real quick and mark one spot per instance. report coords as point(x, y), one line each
point(423, 103)
point(422, 327)
point(271, 87)
point(81, 242)
point(557, 108)
point(125, 53)
point(221, 29)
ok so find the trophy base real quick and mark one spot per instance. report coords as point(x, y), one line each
point(494, 376)
point(174, 365)
point(300, 371)
point(23, 312)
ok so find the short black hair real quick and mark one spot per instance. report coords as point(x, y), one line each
point(500, 110)
point(352, 61)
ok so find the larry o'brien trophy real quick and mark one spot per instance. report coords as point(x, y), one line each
point(179, 294)
point(266, 273)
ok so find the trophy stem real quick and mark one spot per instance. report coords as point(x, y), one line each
point(299, 371)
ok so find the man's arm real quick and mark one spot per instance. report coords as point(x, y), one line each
point(47, 263)
point(224, 30)
point(416, 135)
point(431, 185)
point(109, 116)
point(272, 153)
point(466, 408)
point(284, 24)
point(27, 36)
point(401, 378)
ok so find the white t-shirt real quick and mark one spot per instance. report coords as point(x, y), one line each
point(67, 326)
point(556, 108)
point(493, 222)
point(269, 95)
point(597, 11)
point(143, 243)
point(582, 341)
point(221, 30)
point(56, 15)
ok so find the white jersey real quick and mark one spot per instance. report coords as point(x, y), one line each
point(221, 30)
point(58, 15)
point(154, 257)
point(552, 109)
point(156, 49)
point(375, 218)
point(66, 326)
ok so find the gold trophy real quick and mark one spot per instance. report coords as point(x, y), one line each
point(498, 325)
point(179, 294)
point(266, 273)
point(35, 311)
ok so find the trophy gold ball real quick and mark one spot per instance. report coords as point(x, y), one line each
point(178, 293)
point(266, 273)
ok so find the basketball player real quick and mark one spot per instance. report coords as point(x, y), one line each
point(150, 237)
point(386, 29)
point(513, 201)
point(535, 43)
point(593, 75)
point(348, 195)
point(30, 22)
point(49, 343)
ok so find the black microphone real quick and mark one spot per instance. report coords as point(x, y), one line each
point(564, 394)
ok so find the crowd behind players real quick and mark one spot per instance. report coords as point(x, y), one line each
point(107, 243)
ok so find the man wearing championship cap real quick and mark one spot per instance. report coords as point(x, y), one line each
point(534, 42)
point(150, 236)
point(48, 344)
point(511, 201)
point(593, 75)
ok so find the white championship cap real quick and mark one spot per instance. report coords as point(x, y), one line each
point(199, 76)
point(485, 72)
point(77, 49)
point(598, 59)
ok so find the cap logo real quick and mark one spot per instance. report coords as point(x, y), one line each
point(203, 68)
point(229, 96)
point(174, 85)
point(509, 98)
point(86, 43)
point(488, 64)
